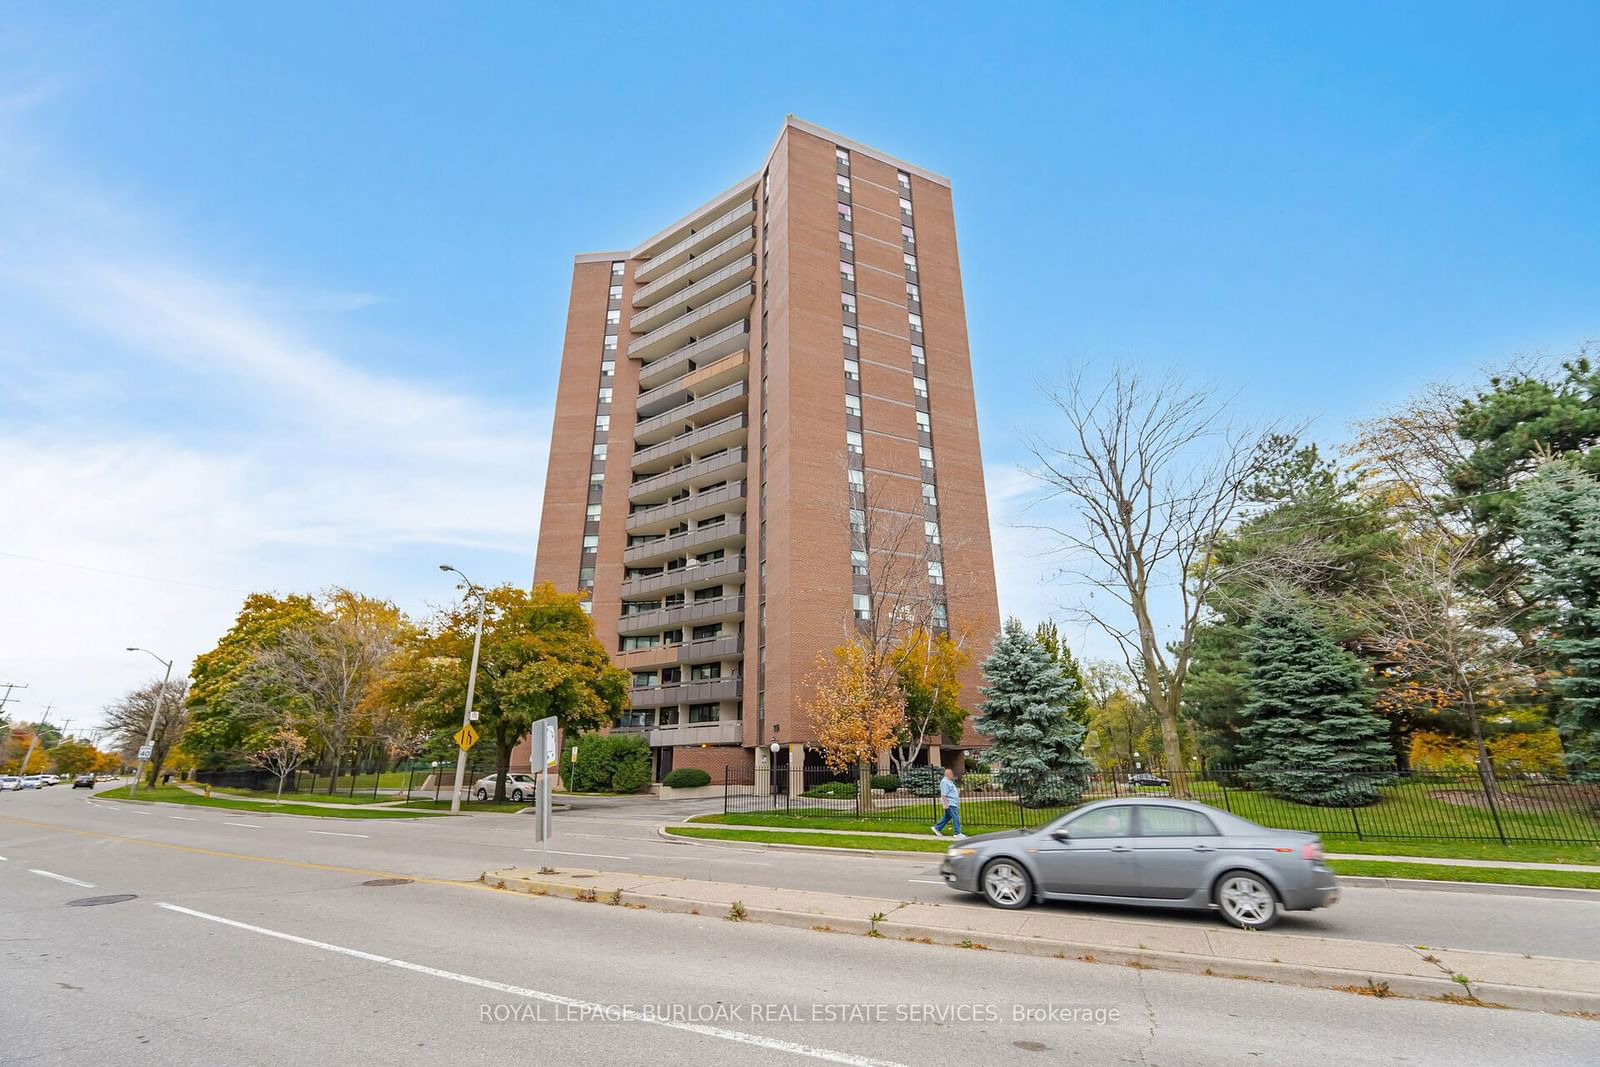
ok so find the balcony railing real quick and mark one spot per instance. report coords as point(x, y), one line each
point(723, 732)
point(730, 338)
point(706, 375)
point(711, 316)
point(702, 692)
point(701, 540)
point(684, 616)
point(730, 428)
point(698, 293)
point(727, 646)
point(728, 399)
point(712, 259)
point(697, 241)
point(685, 577)
point(717, 501)
point(729, 464)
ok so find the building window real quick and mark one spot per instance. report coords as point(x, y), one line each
point(613, 316)
point(919, 354)
point(586, 606)
point(908, 235)
point(847, 241)
point(941, 617)
point(905, 180)
point(852, 442)
point(842, 156)
point(852, 405)
point(847, 270)
point(858, 520)
point(591, 542)
point(703, 713)
point(844, 185)
point(930, 530)
point(844, 211)
point(924, 423)
point(608, 367)
point(616, 268)
point(852, 370)
point(920, 387)
point(926, 455)
point(915, 320)
point(705, 672)
point(605, 394)
point(602, 423)
point(905, 205)
point(848, 302)
point(597, 478)
point(928, 495)
point(935, 573)
point(914, 292)
point(911, 262)
point(615, 293)
point(645, 679)
point(850, 336)
point(600, 450)
point(863, 606)
point(592, 513)
point(858, 562)
point(611, 343)
point(705, 633)
point(858, 480)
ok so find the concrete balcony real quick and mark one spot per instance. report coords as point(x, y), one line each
point(687, 578)
point(724, 433)
point(663, 517)
point(706, 319)
point(705, 377)
point(717, 609)
point(657, 488)
point(675, 364)
point(706, 289)
point(726, 647)
point(741, 243)
point(703, 692)
point(728, 535)
point(706, 408)
point(726, 732)
point(697, 242)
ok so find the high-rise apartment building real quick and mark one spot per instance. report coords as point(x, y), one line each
point(765, 441)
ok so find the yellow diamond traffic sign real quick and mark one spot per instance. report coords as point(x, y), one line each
point(467, 736)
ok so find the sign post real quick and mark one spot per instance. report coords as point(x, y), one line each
point(545, 755)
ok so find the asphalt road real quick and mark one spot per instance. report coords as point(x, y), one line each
point(251, 939)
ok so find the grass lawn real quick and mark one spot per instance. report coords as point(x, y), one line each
point(319, 798)
point(174, 795)
point(468, 807)
point(863, 841)
point(1586, 855)
point(1434, 873)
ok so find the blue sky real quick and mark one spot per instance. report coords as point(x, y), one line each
point(282, 286)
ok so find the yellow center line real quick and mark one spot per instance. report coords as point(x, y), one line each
point(219, 854)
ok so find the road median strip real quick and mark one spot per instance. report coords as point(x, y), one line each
point(1537, 983)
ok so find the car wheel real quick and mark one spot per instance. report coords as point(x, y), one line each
point(517, 796)
point(1006, 884)
point(483, 794)
point(1247, 900)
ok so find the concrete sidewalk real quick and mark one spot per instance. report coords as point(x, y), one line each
point(1539, 983)
point(1519, 865)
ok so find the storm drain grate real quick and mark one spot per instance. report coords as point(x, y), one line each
point(388, 881)
point(92, 902)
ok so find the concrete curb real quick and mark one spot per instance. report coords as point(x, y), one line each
point(1446, 986)
point(882, 854)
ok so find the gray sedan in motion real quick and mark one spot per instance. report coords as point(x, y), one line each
point(1151, 851)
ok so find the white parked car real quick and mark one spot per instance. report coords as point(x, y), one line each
point(33, 781)
point(9, 782)
point(51, 779)
point(519, 787)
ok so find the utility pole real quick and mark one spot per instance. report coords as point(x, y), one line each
point(6, 697)
point(22, 771)
point(155, 716)
point(472, 681)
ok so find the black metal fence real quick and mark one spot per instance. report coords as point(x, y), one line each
point(1379, 804)
point(421, 779)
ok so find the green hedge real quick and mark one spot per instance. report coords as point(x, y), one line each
point(832, 791)
point(686, 778)
point(886, 782)
point(607, 763)
point(922, 781)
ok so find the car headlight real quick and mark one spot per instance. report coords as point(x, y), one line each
point(957, 853)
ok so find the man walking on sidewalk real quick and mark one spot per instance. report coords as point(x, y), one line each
point(950, 801)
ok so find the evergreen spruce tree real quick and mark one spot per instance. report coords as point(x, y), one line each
point(1309, 724)
point(1028, 708)
point(1049, 637)
point(1559, 525)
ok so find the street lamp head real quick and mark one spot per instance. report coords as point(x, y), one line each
point(446, 567)
point(130, 648)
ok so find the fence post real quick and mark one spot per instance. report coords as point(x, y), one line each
point(1486, 778)
point(1223, 782)
point(724, 790)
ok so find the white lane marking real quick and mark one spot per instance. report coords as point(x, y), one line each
point(250, 825)
point(61, 878)
point(927, 881)
point(610, 1011)
point(2, 859)
point(181, 818)
point(334, 833)
point(591, 855)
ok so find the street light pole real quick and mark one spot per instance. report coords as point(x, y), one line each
point(155, 716)
point(472, 682)
point(33, 743)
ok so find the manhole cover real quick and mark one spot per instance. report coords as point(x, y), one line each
point(388, 881)
point(90, 902)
